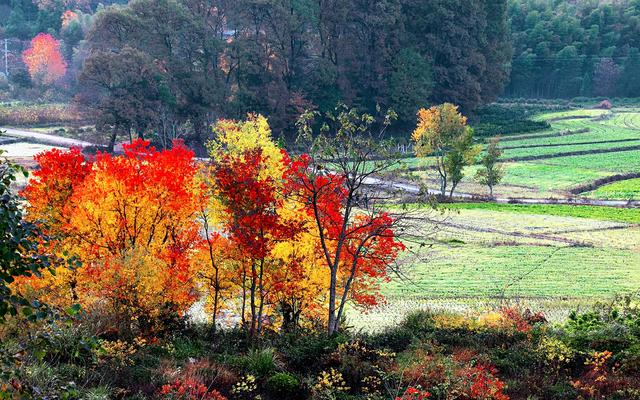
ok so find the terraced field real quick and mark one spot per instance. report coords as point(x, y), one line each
point(582, 146)
point(548, 257)
point(552, 258)
point(626, 189)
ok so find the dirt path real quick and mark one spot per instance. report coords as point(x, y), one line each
point(385, 184)
point(45, 138)
point(524, 235)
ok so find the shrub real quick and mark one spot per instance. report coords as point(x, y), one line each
point(209, 373)
point(555, 352)
point(516, 360)
point(421, 323)
point(356, 361)
point(68, 343)
point(307, 352)
point(414, 393)
point(246, 387)
point(184, 348)
point(593, 331)
point(481, 383)
point(99, 393)
point(630, 360)
point(262, 362)
point(189, 389)
point(560, 391)
point(397, 338)
point(328, 384)
point(283, 385)
point(38, 114)
point(600, 380)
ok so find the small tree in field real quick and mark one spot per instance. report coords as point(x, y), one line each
point(491, 173)
point(442, 132)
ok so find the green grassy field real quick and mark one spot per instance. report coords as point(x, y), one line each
point(628, 215)
point(553, 258)
point(627, 189)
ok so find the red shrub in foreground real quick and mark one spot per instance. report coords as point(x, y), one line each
point(521, 321)
point(483, 383)
point(463, 373)
point(413, 393)
point(189, 389)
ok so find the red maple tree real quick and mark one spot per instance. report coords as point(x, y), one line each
point(44, 60)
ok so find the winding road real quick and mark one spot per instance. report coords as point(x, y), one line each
point(45, 138)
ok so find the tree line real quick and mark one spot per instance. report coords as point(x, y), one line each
point(154, 66)
point(174, 66)
point(564, 49)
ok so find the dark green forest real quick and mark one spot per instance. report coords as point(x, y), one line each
point(574, 48)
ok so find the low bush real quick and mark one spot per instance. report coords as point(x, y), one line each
point(503, 119)
point(505, 354)
point(283, 385)
point(21, 114)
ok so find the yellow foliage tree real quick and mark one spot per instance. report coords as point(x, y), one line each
point(442, 132)
point(286, 283)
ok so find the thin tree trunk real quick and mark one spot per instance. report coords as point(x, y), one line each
point(453, 187)
point(216, 277)
point(332, 302)
point(261, 289)
point(112, 140)
point(252, 295)
point(244, 298)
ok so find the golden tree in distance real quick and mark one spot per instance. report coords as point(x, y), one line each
point(442, 132)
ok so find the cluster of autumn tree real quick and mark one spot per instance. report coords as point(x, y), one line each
point(265, 239)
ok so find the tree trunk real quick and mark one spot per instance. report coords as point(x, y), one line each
point(112, 140)
point(243, 309)
point(453, 188)
point(252, 295)
point(261, 296)
point(286, 310)
point(331, 323)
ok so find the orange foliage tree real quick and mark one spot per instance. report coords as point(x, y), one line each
point(44, 60)
point(130, 219)
point(68, 17)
